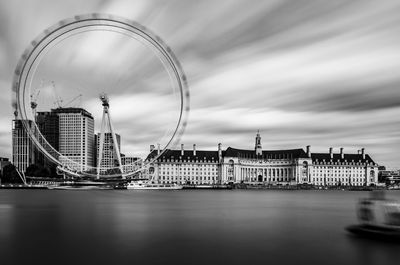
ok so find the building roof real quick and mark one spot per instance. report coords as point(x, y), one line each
point(269, 154)
point(73, 110)
point(337, 157)
point(187, 155)
point(46, 113)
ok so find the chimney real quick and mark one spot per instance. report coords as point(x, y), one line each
point(331, 152)
point(363, 153)
point(152, 147)
point(308, 151)
point(194, 149)
point(182, 150)
point(341, 153)
point(219, 150)
point(158, 149)
point(358, 152)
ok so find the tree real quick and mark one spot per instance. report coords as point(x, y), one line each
point(10, 175)
point(31, 170)
point(37, 170)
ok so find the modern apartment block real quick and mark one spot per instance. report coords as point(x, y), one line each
point(76, 138)
point(109, 157)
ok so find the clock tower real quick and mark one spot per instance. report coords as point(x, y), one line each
point(258, 147)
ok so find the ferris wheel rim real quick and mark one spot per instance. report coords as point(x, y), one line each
point(21, 75)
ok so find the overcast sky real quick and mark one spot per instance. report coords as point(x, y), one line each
point(319, 73)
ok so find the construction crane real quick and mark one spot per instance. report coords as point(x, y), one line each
point(59, 100)
point(72, 100)
point(107, 126)
point(34, 98)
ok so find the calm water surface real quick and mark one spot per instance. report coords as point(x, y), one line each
point(185, 227)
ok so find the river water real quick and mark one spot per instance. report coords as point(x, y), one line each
point(185, 227)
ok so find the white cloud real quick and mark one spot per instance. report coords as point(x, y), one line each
point(319, 73)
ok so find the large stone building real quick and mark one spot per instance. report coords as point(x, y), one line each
point(330, 169)
point(275, 167)
point(185, 166)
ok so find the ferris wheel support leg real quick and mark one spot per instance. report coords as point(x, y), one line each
point(22, 176)
point(100, 156)
point(115, 143)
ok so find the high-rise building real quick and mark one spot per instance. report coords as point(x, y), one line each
point(76, 138)
point(109, 157)
point(48, 125)
point(4, 161)
point(131, 163)
point(22, 147)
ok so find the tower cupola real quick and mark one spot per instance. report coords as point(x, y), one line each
point(258, 147)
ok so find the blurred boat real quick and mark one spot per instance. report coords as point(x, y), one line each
point(379, 218)
point(79, 188)
point(375, 232)
point(207, 187)
point(147, 185)
point(81, 185)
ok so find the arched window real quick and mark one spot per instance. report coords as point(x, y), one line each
point(305, 166)
point(230, 167)
point(151, 170)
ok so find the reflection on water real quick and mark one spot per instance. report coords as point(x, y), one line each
point(185, 227)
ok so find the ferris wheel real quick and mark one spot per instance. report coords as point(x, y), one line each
point(26, 106)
